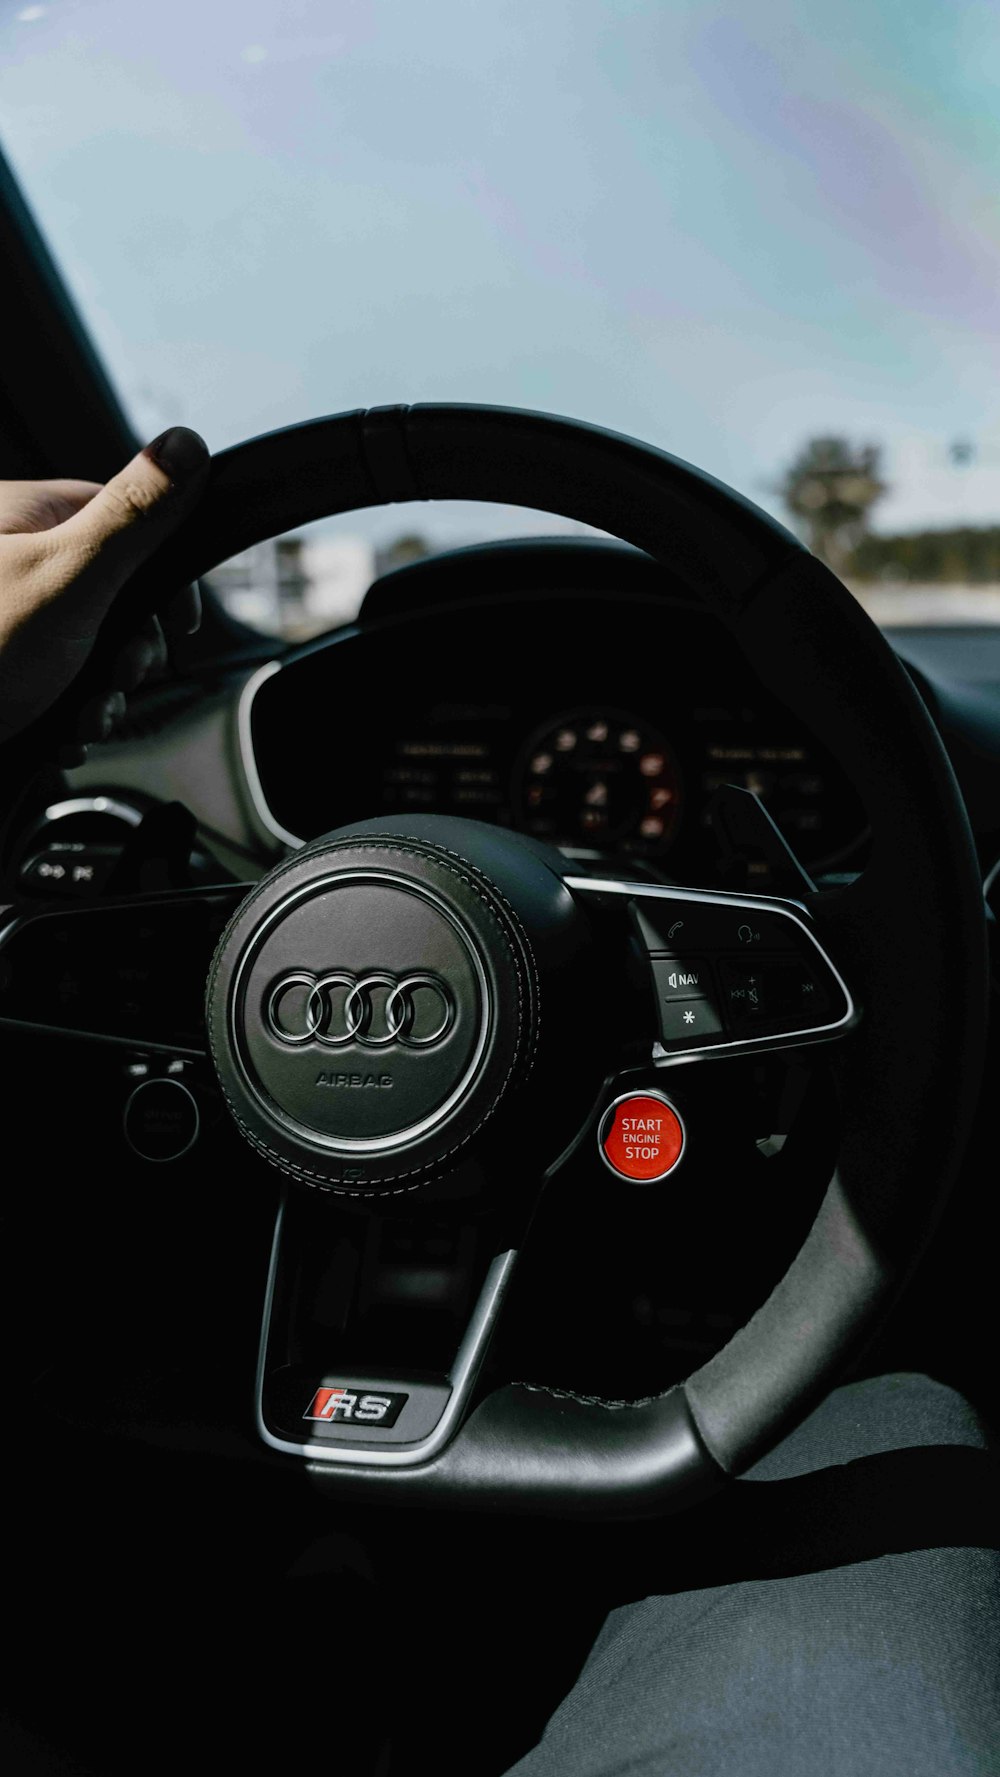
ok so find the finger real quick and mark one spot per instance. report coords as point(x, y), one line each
point(100, 716)
point(158, 643)
point(38, 505)
point(144, 654)
point(72, 492)
point(71, 755)
point(182, 617)
point(121, 526)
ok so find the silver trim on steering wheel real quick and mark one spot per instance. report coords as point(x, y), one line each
point(461, 1376)
point(244, 733)
point(794, 911)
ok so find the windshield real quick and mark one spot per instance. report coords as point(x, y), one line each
point(763, 238)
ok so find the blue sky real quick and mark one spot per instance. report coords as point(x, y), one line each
point(723, 228)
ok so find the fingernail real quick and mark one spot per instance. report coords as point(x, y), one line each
point(179, 452)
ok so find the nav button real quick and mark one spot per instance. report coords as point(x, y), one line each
point(681, 978)
point(686, 1004)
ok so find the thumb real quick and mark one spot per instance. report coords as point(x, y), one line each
point(128, 518)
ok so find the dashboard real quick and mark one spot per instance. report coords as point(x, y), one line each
point(601, 715)
point(567, 688)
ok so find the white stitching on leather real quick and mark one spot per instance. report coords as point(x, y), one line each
point(593, 1400)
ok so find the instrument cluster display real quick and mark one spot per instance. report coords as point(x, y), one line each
point(600, 725)
point(608, 781)
point(599, 778)
point(595, 779)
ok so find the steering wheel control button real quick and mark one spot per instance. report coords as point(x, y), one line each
point(729, 970)
point(690, 1021)
point(686, 979)
point(161, 1120)
point(686, 1005)
point(773, 991)
point(641, 1137)
point(76, 869)
point(744, 991)
point(678, 927)
point(794, 990)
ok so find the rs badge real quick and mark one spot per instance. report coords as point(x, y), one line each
point(352, 1405)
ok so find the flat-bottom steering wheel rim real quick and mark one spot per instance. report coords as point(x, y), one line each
point(911, 932)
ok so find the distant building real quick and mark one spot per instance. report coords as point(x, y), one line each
point(264, 586)
point(338, 572)
point(296, 586)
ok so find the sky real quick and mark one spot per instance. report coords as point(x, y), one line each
point(722, 228)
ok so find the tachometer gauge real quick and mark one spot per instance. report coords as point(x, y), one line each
point(599, 780)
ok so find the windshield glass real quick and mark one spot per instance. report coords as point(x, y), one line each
point(764, 238)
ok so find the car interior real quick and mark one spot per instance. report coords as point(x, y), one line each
point(473, 1080)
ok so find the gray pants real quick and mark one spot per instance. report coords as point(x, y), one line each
point(838, 1615)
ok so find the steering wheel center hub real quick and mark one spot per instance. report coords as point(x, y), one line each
point(361, 1011)
point(370, 1006)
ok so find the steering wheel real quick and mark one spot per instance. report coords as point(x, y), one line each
point(405, 997)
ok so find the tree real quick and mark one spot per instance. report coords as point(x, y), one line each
point(830, 489)
point(409, 546)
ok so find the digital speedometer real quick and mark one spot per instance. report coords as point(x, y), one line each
point(599, 779)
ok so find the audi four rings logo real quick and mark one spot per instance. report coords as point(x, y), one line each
point(339, 1008)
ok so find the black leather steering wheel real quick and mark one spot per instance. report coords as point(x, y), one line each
point(908, 936)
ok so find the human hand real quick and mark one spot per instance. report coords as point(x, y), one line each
point(66, 549)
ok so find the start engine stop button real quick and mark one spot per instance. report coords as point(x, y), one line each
point(641, 1137)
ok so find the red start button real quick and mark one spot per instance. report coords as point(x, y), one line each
point(641, 1137)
